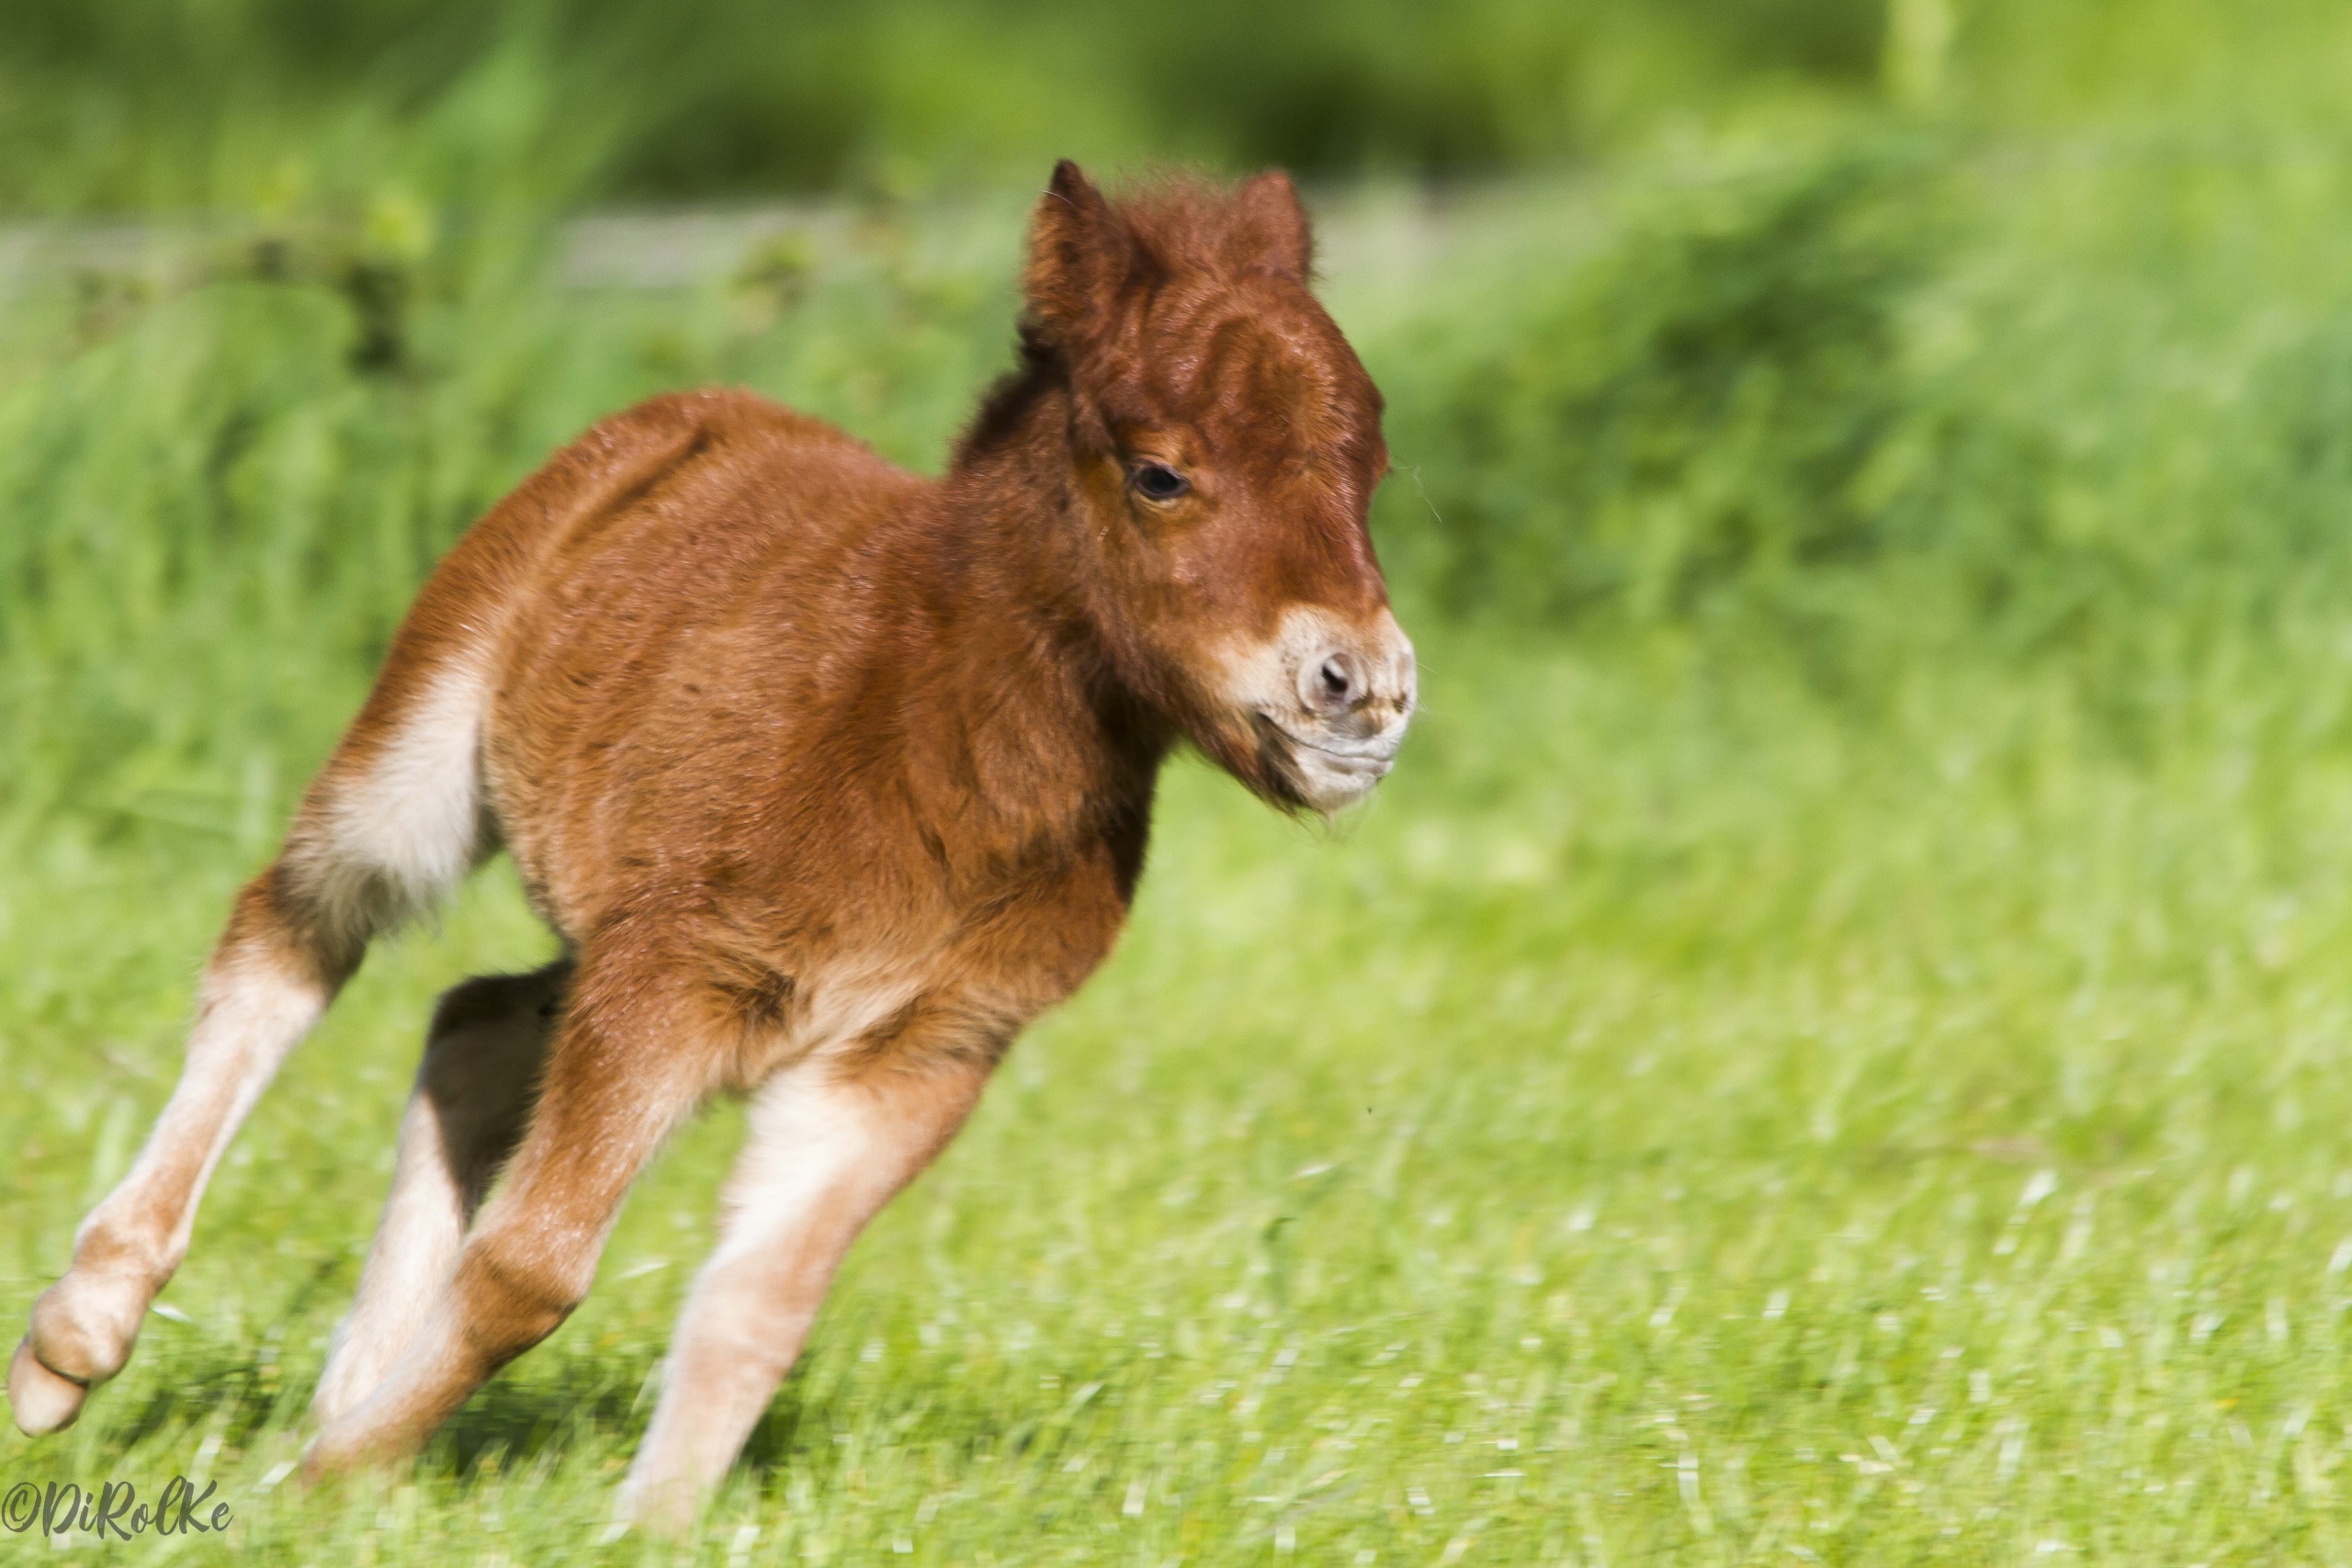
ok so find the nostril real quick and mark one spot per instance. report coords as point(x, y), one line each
point(1338, 686)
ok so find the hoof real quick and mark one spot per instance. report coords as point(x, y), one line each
point(335, 1453)
point(664, 1511)
point(41, 1401)
point(86, 1323)
point(316, 1464)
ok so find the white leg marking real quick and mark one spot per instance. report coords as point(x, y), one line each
point(252, 1014)
point(820, 1159)
point(409, 1265)
point(251, 1018)
point(473, 1092)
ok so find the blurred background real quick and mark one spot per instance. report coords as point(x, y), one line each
point(1841, 329)
point(1839, 1029)
point(1847, 328)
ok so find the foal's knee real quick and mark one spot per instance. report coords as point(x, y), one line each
point(508, 1300)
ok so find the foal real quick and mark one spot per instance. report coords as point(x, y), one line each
point(832, 778)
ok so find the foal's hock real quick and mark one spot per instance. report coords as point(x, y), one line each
point(831, 778)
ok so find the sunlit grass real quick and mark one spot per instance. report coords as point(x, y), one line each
point(1666, 1124)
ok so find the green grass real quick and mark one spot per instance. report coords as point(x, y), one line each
point(1831, 1046)
point(1666, 1126)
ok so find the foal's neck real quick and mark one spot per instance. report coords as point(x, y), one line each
point(1030, 648)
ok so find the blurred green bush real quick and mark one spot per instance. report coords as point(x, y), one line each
point(1696, 406)
point(136, 104)
point(1951, 329)
point(1895, 393)
point(267, 105)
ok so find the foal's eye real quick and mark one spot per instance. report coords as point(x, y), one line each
point(1157, 481)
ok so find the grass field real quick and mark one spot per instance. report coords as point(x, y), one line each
point(1832, 1046)
point(1666, 1127)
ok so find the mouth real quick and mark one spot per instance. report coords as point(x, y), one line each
point(1331, 772)
point(1380, 750)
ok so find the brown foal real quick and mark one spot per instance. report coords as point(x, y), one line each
point(831, 778)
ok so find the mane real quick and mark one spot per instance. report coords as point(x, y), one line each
point(1009, 399)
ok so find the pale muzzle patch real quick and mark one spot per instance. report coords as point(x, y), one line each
point(1329, 699)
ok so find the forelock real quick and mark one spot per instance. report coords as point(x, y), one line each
point(1230, 346)
point(1187, 224)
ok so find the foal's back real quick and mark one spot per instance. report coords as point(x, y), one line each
point(641, 646)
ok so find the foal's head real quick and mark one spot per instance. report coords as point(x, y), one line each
point(1224, 444)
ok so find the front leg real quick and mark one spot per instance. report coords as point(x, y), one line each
point(621, 1072)
point(826, 1149)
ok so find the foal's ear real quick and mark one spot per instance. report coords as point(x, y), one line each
point(1079, 252)
point(1269, 230)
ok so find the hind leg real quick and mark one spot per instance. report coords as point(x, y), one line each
point(392, 823)
point(269, 981)
point(472, 1100)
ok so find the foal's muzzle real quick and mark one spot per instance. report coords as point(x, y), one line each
point(1346, 696)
